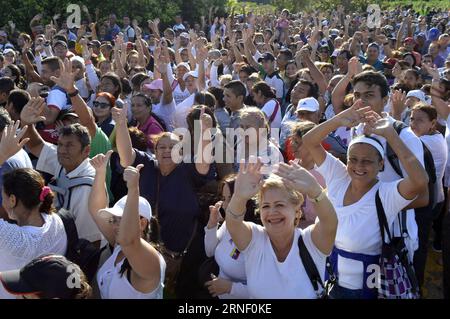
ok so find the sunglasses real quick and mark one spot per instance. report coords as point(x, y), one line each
point(101, 105)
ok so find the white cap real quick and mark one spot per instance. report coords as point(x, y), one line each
point(145, 210)
point(9, 50)
point(368, 140)
point(185, 65)
point(417, 94)
point(191, 73)
point(309, 104)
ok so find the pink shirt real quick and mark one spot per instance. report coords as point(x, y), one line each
point(150, 128)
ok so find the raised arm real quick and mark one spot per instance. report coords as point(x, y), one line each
point(417, 179)
point(202, 55)
point(123, 140)
point(143, 257)
point(98, 197)
point(12, 141)
point(247, 184)
point(203, 157)
point(164, 67)
point(339, 92)
point(30, 115)
point(66, 80)
point(324, 233)
point(316, 75)
point(349, 118)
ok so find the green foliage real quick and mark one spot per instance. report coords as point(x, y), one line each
point(22, 11)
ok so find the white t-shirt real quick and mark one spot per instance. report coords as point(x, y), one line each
point(166, 113)
point(58, 98)
point(179, 95)
point(437, 146)
point(358, 228)
point(218, 243)
point(182, 110)
point(267, 278)
point(269, 109)
point(275, 81)
point(112, 285)
point(388, 175)
point(21, 244)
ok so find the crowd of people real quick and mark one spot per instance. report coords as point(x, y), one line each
point(228, 159)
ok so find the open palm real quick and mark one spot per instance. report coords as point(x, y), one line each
point(249, 179)
point(32, 111)
point(66, 80)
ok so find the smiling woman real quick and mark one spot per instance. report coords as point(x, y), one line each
point(353, 189)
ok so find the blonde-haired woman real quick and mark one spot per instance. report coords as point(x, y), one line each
point(273, 265)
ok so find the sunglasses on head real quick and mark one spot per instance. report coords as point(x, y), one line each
point(101, 105)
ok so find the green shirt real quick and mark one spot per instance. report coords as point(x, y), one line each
point(100, 144)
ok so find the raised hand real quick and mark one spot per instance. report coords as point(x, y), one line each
point(398, 100)
point(120, 115)
point(131, 175)
point(375, 124)
point(354, 115)
point(214, 215)
point(26, 46)
point(12, 141)
point(354, 67)
point(206, 121)
point(32, 111)
point(66, 80)
point(249, 179)
point(296, 177)
point(100, 161)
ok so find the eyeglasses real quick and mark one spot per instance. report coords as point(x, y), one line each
point(101, 105)
point(115, 220)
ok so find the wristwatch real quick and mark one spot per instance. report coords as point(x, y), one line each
point(73, 94)
point(319, 198)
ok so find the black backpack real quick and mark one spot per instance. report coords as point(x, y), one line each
point(428, 161)
point(80, 251)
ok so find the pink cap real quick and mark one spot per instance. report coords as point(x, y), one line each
point(155, 85)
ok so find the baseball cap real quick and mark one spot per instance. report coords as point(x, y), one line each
point(130, 45)
point(267, 57)
point(308, 104)
point(68, 114)
point(46, 275)
point(417, 94)
point(421, 34)
point(3, 33)
point(191, 73)
point(155, 85)
point(409, 39)
point(334, 32)
point(184, 65)
point(9, 50)
point(145, 210)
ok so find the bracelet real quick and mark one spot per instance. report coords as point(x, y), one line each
point(233, 214)
point(73, 94)
point(319, 198)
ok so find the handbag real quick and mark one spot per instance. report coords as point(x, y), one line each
point(313, 273)
point(397, 276)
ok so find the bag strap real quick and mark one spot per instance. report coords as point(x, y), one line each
point(310, 266)
point(69, 227)
point(382, 217)
point(390, 154)
point(275, 111)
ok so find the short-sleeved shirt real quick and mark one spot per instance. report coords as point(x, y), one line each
point(101, 144)
point(358, 220)
point(178, 206)
point(267, 278)
point(48, 163)
point(275, 81)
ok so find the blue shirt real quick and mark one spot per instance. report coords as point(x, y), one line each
point(178, 204)
point(377, 65)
